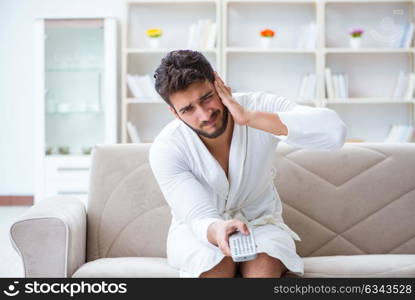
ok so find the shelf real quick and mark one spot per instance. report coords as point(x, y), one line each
point(373, 100)
point(73, 113)
point(70, 156)
point(273, 1)
point(165, 50)
point(368, 50)
point(145, 101)
point(73, 70)
point(270, 50)
point(302, 102)
point(138, 2)
point(367, 1)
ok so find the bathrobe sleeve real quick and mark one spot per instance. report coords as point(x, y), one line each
point(189, 201)
point(308, 127)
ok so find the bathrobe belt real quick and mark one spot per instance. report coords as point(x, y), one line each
point(236, 213)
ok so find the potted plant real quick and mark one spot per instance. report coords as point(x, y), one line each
point(86, 150)
point(64, 150)
point(355, 38)
point(266, 37)
point(154, 35)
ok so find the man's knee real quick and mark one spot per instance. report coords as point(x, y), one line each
point(225, 269)
point(263, 266)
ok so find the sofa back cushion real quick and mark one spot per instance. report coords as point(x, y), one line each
point(357, 200)
point(127, 214)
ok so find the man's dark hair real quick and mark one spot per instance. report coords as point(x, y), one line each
point(179, 69)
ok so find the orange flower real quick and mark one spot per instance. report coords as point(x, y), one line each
point(267, 33)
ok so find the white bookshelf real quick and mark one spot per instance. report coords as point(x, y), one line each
point(150, 115)
point(370, 109)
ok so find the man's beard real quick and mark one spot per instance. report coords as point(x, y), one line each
point(218, 131)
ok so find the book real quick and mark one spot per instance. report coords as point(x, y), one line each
point(311, 89)
point(335, 77)
point(329, 83)
point(307, 90)
point(399, 133)
point(303, 85)
point(343, 86)
point(142, 87)
point(133, 133)
point(211, 41)
point(410, 86)
point(202, 35)
point(307, 37)
point(408, 35)
point(401, 83)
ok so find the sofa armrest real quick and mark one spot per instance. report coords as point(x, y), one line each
point(51, 237)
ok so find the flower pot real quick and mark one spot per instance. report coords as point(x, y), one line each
point(154, 42)
point(355, 42)
point(266, 42)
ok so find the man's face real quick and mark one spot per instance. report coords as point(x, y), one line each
point(201, 109)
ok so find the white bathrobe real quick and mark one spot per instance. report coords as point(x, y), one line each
point(198, 192)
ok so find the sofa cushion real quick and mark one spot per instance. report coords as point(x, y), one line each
point(384, 265)
point(390, 265)
point(127, 267)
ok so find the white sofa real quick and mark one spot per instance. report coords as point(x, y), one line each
point(353, 208)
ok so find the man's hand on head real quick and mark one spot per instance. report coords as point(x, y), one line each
point(266, 121)
point(238, 112)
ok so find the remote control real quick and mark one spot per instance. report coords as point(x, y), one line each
point(242, 246)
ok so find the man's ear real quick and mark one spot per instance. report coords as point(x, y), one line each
point(174, 112)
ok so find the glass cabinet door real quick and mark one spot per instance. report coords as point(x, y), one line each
point(74, 70)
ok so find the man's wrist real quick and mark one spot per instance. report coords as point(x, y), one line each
point(211, 232)
point(249, 117)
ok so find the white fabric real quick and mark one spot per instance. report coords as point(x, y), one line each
point(199, 193)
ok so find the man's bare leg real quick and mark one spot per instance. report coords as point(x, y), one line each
point(225, 269)
point(263, 266)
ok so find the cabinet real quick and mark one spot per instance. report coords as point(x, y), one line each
point(75, 80)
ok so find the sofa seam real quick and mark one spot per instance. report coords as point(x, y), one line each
point(132, 220)
point(105, 204)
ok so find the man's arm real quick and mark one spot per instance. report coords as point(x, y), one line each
point(188, 199)
point(298, 125)
point(266, 121)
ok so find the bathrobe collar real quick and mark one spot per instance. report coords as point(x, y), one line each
point(212, 171)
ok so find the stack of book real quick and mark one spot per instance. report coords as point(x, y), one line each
point(142, 87)
point(405, 85)
point(133, 133)
point(406, 37)
point(337, 85)
point(307, 37)
point(202, 35)
point(400, 134)
point(307, 91)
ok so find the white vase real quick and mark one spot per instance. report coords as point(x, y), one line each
point(355, 42)
point(154, 42)
point(266, 42)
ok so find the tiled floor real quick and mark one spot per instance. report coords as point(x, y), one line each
point(10, 262)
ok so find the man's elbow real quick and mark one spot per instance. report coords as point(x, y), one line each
point(338, 137)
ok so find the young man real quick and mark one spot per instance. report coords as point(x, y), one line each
point(214, 167)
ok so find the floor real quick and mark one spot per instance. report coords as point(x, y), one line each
point(10, 262)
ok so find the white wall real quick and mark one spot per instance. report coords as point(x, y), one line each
point(16, 79)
